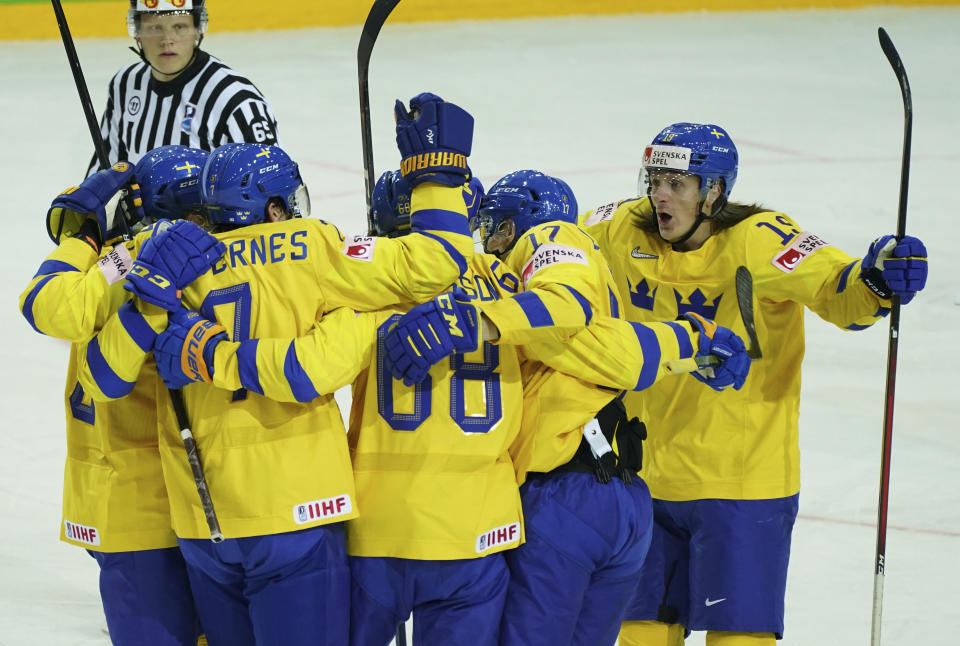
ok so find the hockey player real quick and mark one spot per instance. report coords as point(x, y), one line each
point(114, 500)
point(411, 549)
point(281, 575)
point(178, 93)
point(724, 470)
point(584, 519)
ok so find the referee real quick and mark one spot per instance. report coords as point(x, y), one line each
point(178, 93)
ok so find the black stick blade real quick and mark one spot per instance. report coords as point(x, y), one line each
point(886, 44)
point(378, 15)
point(744, 286)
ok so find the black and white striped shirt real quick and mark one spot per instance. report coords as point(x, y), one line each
point(206, 106)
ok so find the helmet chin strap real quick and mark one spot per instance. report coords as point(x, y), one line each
point(138, 50)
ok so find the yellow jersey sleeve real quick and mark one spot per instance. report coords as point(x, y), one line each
point(370, 273)
point(790, 264)
point(619, 354)
point(565, 283)
point(74, 292)
point(301, 369)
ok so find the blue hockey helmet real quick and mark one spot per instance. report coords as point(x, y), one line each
point(705, 150)
point(169, 179)
point(390, 204)
point(239, 180)
point(195, 8)
point(525, 198)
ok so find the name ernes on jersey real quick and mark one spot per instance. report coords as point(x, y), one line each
point(359, 247)
point(801, 247)
point(552, 254)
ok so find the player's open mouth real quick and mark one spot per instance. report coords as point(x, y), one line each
point(664, 218)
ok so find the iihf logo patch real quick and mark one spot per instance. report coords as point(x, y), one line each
point(81, 533)
point(133, 105)
point(189, 112)
point(503, 535)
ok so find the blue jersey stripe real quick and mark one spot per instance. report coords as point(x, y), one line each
point(136, 326)
point(584, 303)
point(650, 348)
point(450, 249)
point(439, 220)
point(534, 309)
point(54, 267)
point(28, 303)
point(844, 276)
point(855, 327)
point(299, 382)
point(107, 380)
point(683, 339)
point(247, 366)
point(614, 306)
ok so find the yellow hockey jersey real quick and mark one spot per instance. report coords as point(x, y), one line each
point(114, 498)
point(433, 476)
point(276, 466)
point(732, 444)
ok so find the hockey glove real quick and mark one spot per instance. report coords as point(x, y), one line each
point(429, 333)
point(184, 351)
point(722, 343)
point(894, 266)
point(99, 195)
point(170, 260)
point(434, 138)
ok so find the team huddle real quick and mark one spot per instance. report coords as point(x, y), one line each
point(522, 463)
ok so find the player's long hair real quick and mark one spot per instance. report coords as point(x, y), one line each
point(729, 215)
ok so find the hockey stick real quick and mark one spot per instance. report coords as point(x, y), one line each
point(378, 15)
point(894, 58)
point(176, 397)
point(744, 288)
point(368, 37)
point(85, 101)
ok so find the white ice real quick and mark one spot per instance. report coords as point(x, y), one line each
point(816, 112)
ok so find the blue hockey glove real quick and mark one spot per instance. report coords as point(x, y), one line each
point(184, 351)
point(722, 343)
point(170, 260)
point(894, 266)
point(428, 334)
point(99, 195)
point(434, 138)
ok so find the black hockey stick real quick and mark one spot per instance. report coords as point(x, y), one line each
point(368, 37)
point(193, 457)
point(176, 397)
point(744, 289)
point(894, 58)
point(378, 15)
point(85, 101)
point(744, 286)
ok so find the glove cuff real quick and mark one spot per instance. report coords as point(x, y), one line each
point(196, 361)
point(873, 278)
